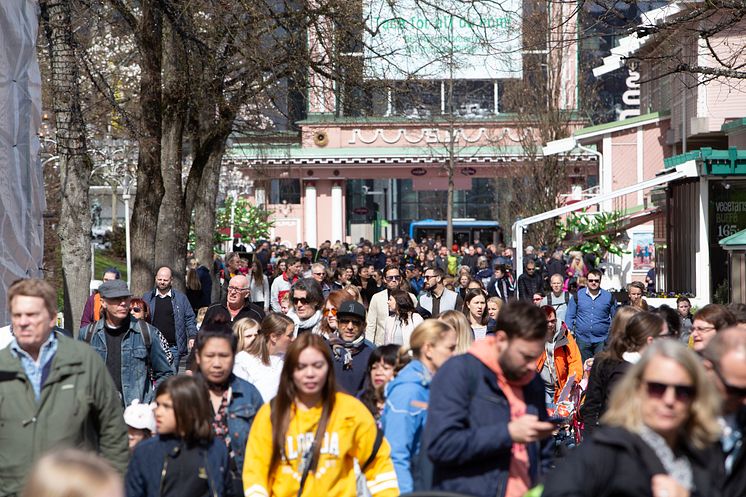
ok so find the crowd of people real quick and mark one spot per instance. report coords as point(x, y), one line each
point(381, 370)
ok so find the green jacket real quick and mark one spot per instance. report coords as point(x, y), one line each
point(79, 407)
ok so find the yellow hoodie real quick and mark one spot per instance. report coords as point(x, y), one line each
point(350, 435)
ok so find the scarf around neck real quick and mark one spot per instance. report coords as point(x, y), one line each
point(346, 350)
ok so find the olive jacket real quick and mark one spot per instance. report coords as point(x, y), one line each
point(78, 407)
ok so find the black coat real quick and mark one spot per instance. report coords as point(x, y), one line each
point(734, 485)
point(617, 463)
point(605, 373)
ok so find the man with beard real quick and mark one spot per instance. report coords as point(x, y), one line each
point(486, 430)
point(436, 298)
point(725, 361)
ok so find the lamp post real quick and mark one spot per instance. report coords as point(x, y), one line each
point(118, 173)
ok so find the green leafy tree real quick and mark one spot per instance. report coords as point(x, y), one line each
point(593, 233)
point(249, 221)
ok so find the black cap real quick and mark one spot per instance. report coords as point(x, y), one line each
point(351, 308)
point(114, 289)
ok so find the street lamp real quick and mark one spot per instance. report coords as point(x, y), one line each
point(237, 184)
point(119, 175)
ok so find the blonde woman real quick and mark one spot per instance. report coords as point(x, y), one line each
point(464, 335)
point(432, 343)
point(73, 473)
point(661, 421)
point(494, 304)
point(245, 330)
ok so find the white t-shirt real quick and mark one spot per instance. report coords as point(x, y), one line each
point(5, 336)
point(265, 378)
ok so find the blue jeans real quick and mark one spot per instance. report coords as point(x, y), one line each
point(588, 349)
point(175, 352)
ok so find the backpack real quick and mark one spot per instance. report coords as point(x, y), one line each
point(143, 330)
point(145, 337)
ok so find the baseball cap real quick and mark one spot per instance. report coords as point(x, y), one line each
point(114, 289)
point(409, 267)
point(351, 308)
point(140, 416)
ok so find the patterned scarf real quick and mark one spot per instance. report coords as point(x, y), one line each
point(346, 350)
point(677, 468)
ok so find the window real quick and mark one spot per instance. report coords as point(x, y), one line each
point(284, 191)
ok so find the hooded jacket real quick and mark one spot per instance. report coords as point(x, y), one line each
point(567, 361)
point(467, 435)
point(404, 418)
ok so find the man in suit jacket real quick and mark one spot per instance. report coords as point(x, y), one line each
point(436, 298)
point(378, 310)
point(725, 360)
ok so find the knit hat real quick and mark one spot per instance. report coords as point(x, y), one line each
point(140, 416)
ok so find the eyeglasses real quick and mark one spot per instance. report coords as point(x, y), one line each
point(702, 329)
point(593, 281)
point(683, 393)
point(234, 289)
point(330, 312)
point(319, 274)
point(393, 278)
point(135, 309)
point(731, 390)
point(302, 300)
point(428, 276)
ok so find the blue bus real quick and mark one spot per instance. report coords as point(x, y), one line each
point(464, 231)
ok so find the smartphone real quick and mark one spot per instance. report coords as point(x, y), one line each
point(558, 420)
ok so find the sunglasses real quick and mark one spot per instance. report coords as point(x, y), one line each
point(593, 281)
point(135, 309)
point(301, 300)
point(393, 278)
point(683, 393)
point(330, 312)
point(731, 390)
point(347, 319)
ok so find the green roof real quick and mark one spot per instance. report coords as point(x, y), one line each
point(734, 240)
point(733, 125)
point(330, 118)
point(610, 126)
point(716, 162)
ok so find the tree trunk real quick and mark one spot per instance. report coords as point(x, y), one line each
point(74, 163)
point(150, 188)
point(204, 214)
point(173, 221)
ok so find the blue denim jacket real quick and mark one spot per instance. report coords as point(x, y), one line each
point(136, 382)
point(245, 402)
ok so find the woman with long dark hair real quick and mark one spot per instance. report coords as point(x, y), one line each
point(259, 286)
point(475, 309)
point(308, 440)
point(185, 458)
point(625, 347)
point(382, 365)
point(402, 318)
